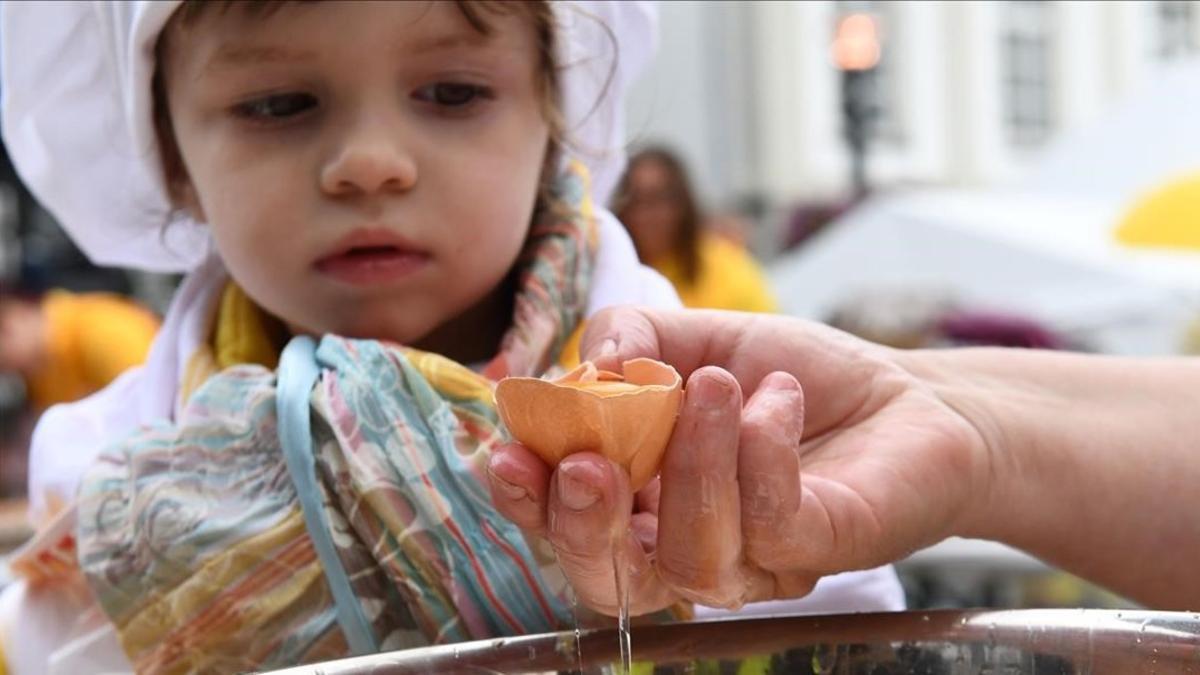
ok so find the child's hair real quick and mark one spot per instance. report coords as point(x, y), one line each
point(539, 12)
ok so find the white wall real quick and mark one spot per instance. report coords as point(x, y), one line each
point(748, 94)
point(697, 97)
point(665, 104)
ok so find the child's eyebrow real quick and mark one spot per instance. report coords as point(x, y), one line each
point(234, 55)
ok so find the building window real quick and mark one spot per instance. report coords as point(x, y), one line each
point(1028, 84)
point(1178, 32)
point(886, 126)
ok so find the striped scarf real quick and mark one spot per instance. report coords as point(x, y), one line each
point(337, 504)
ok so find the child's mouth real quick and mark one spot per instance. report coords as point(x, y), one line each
point(372, 264)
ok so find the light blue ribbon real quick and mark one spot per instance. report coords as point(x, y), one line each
point(298, 373)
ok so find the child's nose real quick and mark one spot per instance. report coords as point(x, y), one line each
point(368, 163)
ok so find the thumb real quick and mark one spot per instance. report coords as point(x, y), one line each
point(685, 338)
point(616, 335)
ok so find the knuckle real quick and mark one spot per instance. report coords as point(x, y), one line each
point(772, 422)
point(574, 541)
point(708, 587)
point(769, 557)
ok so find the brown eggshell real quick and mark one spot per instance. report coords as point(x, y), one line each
point(627, 419)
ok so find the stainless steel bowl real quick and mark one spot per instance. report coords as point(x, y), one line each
point(1038, 642)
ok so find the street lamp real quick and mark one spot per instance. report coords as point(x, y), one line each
point(856, 52)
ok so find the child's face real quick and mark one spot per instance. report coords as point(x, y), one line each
point(367, 169)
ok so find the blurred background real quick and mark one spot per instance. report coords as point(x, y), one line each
point(918, 173)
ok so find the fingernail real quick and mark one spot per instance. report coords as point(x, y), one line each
point(507, 489)
point(709, 392)
point(781, 381)
point(578, 485)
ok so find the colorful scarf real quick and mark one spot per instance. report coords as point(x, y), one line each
point(337, 505)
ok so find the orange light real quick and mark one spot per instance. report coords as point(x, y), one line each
point(856, 43)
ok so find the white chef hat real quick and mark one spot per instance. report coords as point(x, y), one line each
point(75, 83)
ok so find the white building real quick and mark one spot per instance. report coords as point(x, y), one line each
point(969, 90)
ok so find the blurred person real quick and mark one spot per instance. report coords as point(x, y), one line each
point(66, 346)
point(656, 203)
point(730, 227)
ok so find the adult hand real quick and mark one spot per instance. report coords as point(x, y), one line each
point(839, 458)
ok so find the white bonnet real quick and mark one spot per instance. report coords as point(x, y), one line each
point(75, 82)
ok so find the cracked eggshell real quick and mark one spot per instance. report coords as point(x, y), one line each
point(627, 419)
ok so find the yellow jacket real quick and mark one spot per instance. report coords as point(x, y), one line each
point(91, 339)
point(727, 278)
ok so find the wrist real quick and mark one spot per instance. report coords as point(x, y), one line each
point(1090, 461)
point(992, 392)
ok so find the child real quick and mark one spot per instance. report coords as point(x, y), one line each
point(398, 173)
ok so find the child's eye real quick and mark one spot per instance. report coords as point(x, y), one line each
point(451, 94)
point(275, 107)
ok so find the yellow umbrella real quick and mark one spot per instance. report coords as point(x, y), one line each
point(1167, 217)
